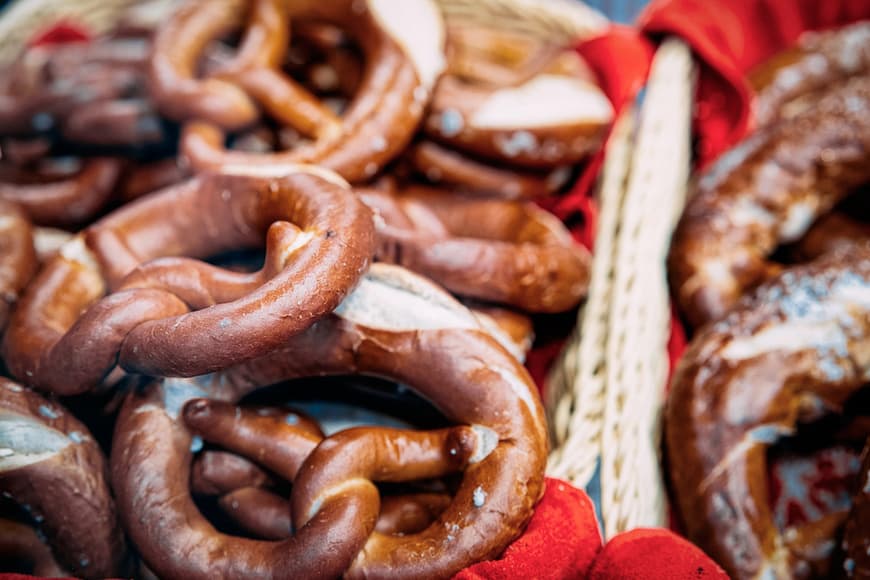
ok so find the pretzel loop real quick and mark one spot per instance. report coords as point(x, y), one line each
point(146, 325)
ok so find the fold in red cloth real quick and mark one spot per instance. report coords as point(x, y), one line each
point(732, 36)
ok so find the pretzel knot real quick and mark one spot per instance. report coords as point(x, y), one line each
point(66, 333)
point(394, 325)
point(796, 349)
point(403, 61)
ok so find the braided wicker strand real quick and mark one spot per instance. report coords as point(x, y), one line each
point(631, 481)
point(575, 390)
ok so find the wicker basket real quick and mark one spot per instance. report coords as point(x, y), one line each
point(605, 393)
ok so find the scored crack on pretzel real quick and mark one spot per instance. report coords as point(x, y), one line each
point(61, 199)
point(66, 334)
point(402, 41)
point(52, 467)
point(395, 325)
point(765, 192)
point(792, 351)
point(785, 84)
point(540, 113)
point(503, 251)
point(17, 256)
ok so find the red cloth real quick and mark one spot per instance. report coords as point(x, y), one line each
point(652, 553)
point(561, 541)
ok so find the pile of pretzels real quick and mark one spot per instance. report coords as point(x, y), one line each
point(244, 194)
point(770, 265)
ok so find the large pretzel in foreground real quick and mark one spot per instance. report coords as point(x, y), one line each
point(766, 192)
point(504, 251)
point(797, 347)
point(54, 469)
point(394, 325)
point(66, 334)
point(403, 45)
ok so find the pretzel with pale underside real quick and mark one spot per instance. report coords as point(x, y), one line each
point(53, 468)
point(403, 47)
point(765, 192)
point(66, 333)
point(528, 112)
point(498, 250)
point(394, 325)
point(792, 351)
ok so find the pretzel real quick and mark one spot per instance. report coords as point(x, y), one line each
point(150, 177)
point(66, 334)
point(793, 350)
point(52, 467)
point(394, 325)
point(785, 85)
point(68, 85)
point(52, 196)
point(402, 63)
point(17, 256)
point(765, 192)
point(21, 544)
point(440, 165)
point(528, 112)
point(282, 441)
point(829, 233)
point(856, 536)
point(502, 251)
point(119, 122)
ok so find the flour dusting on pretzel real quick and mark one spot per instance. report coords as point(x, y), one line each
point(795, 349)
point(766, 192)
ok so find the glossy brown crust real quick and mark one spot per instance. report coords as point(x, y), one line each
point(498, 250)
point(259, 512)
point(794, 349)
point(65, 335)
point(58, 474)
point(831, 233)
point(69, 201)
point(515, 331)
point(856, 536)
point(785, 84)
point(767, 191)
point(378, 124)
point(281, 441)
point(220, 472)
point(463, 372)
point(441, 165)
point(20, 543)
point(17, 256)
